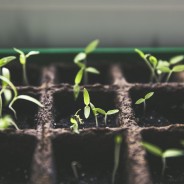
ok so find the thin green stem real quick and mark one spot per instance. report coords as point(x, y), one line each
point(105, 119)
point(116, 161)
point(96, 120)
point(144, 107)
point(168, 76)
point(25, 80)
point(153, 76)
point(163, 166)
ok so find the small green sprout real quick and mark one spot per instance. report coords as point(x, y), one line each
point(118, 141)
point(74, 166)
point(16, 96)
point(87, 103)
point(6, 122)
point(166, 69)
point(151, 62)
point(23, 61)
point(155, 150)
point(108, 113)
point(143, 100)
point(158, 67)
point(81, 61)
point(75, 120)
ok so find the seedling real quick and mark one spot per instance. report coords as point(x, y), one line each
point(81, 61)
point(74, 166)
point(108, 113)
point(16, 96)
point(23, 61)
point(118, 141)
point(6, 122)
point(155, 150)
point(166, 69)
point(144, 99)
point(75, 120)
point(159, 67)
point(151, 62)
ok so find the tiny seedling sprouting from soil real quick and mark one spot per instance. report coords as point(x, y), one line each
point(81, 61)
point(155, 150)
point(23, 61)
point(95, 113)
point(6, 122)
point(15, 97)
point(108, 113)
point(117, 141)
point(143, 100)
point(159, 68)
point(75, 120)
point(75, 165)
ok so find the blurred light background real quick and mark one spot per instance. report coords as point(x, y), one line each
point(74, 23)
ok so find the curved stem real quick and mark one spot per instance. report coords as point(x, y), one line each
point(144, 107)
point(105, 119)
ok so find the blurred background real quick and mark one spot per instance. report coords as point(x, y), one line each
point(74, 23)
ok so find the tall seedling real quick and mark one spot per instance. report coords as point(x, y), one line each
point(155, 150)
point(23, 61)
point(81, 61)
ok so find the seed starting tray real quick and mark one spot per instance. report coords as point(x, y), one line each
point(42, 151)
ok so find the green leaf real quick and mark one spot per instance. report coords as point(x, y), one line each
point(5, 73)
point(140, 53)
point(92, 70)
point(10, 84)
point(114, 111)
point(153, 60)
point(164, 69)
point(79, 76)
point(101, 111)
point(7, 95)
point(148, 95)
point(178, 68)
point(173, 153)
point(22, 57)
point(29, 98)
point(79, 57)
point(6, 60)
point(86, 97)
point(162, 63)
point(141, 100)
point(176, 59)
point(31, 53)
point(152, 149)
point(91, 46)
point(73, 121)
point(76, 90)
point(86, 111)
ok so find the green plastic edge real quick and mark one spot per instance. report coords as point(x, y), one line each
point(98, 50)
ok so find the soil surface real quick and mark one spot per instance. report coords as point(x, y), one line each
point(89, 123)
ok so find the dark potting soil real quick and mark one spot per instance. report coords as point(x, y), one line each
point(177, 178)
point(96, 177)
point(152, 118)
point(89, 123)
